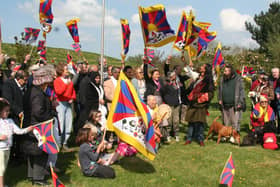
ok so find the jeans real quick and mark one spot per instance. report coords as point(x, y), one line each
point(65, 117)
point(196, 130)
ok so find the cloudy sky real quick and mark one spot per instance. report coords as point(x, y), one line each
point(227, 18)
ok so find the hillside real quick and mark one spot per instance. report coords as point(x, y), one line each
point(57, 54)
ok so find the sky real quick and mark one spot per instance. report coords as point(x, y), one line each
point(227, 18)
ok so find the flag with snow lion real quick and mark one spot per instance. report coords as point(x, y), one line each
point(155, 27)
point(131, 120)
point(44, 134)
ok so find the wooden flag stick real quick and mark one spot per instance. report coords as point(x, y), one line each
point(31, 50)
point(190, 58)
point(21, 121)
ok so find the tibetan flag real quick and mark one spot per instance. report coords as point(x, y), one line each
point(259, 115)
point(56, 181)
point(41, 45)
point(45, 15)
point(31, 34)
point(71, 65)
point(73, 29)
point(228, 172)
point(203, 39)
point(44, 134)
point(131, 120)
point(43, 54)
point(180, 40)
point(125, 36)
point(16, 68)
point(196, 29)
point(218, 58)
point(150, 54)
point(155, 27)
point(76, 47)
point(249, 70)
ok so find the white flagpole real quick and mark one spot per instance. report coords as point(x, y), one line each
point(102, 43)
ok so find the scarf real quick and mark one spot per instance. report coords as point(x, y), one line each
point(195, 93)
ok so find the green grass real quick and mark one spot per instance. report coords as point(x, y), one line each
point(175, 165)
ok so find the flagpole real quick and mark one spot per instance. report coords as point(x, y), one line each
point(102, 43)
point(144, 38)
point(0, 38)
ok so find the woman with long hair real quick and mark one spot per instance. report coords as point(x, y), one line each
point(200, 94)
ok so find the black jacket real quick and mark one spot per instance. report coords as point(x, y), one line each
point(37, 106)
point(170, 94)
point(14, 95)
point(151, 87)
point(182, 79)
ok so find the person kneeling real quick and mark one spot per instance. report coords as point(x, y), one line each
point(262, 113)
point(89, 153)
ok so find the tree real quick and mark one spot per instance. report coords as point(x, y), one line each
point(266, 24)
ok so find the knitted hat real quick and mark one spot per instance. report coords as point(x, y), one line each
point(42, 76)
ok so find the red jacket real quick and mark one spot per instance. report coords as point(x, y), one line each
point(63, 91)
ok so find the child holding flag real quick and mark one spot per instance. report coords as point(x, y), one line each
point(7, 129)
point(89, 155)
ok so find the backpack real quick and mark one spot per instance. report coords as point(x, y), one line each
point(269, 141)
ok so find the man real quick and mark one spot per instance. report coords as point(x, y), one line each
point(110, 86)
point(11, 63)
point(231, 97)
point(77, 80)
point(171, 96)
point(180, 79)
point(275, 104)
point(13, 90)
point(258, 81)
point(128, 71)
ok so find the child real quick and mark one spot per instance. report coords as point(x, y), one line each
point(7, 129)
point(89, 154)
point(95, 119)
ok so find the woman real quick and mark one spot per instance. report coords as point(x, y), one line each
point(264, 89)
point(65, 93)
point(94, 95)
point(37, 109)
point(201, 93)
point(261, 113)
point(139, 82)
point(153, 83)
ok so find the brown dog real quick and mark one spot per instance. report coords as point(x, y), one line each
point(223, 131)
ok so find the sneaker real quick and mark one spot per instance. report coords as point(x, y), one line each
point(201, 144)
point(168, 139)
point(187, 142)
point(177, 138)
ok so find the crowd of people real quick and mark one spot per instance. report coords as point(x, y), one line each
point(80, 103)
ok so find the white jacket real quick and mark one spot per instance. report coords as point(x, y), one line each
point(8, 127)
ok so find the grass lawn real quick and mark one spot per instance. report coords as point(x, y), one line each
point(175, 165)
